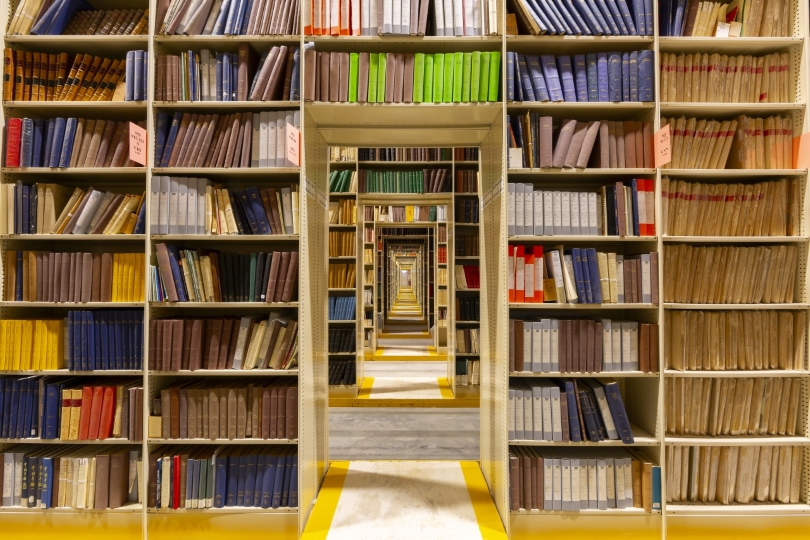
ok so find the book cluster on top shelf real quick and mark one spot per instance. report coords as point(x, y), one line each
point(68, 17)
point(746, 18)
point(588, 17)
point(259, 18)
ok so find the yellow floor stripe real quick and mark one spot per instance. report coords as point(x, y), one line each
point(489, 523)
point(463, 403)
point(444, 388)
point(320, 520)
point(365, 388)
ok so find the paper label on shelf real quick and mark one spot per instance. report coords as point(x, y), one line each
point(293, 146)
point(515, 158)
point(722, 30)
point(661, 144)
point(801, 151)
point(511, 25)
point(735, 29)
point(137, 144)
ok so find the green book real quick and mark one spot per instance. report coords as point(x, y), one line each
point(475, 77)
point(418, 77)
point(494, 75)
point(458, 76)
point(447, 96)
point(428, 94)
point(347, 180)
point(483, 91)
point(252, 283)
point(354, 65)
point(466, 78)
point(372, 78)
point(381, 79)
point(438, 77)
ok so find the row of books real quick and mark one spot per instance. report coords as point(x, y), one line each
point(260, 18)
point(183, 205)
point(725, 407)
point(238, 140)
point(616, 210)
point(107, 22)
point(468, 372)
point(424, 181)
point(467, 277)
point(410, 214)
point(466, 245)
point(342, 340)
point(582, 479)
point(31, 209)
point(200, 411)
point(468, 308)
point(582, 346)
point(54, 408)
point(343, 181)
point(566, 410)
point(343, 212)
point(756, 18)
point(342, 372)
point(368, 298)
point(589, 18)
point(463, 77)
point(96, 340)
point(595, 77)
point(734, 474)
point(441, 254)
point(581, 275)
point(342, 244)
point(466, 181)
point(223, 343)
point(81, 477)
point(342, 153)
point(770, 208)
point(573, 144)
point(47, 276)
point(468, 341)
point(228, 476)
point(30, 76)
point(67, 143)
point(467, 211)
point(342, 275)
point(730, 274)
point(190, 275)
point(400, 18)
point(716, 78)
point(770, 340)
point(404, 154)
point(342, 308)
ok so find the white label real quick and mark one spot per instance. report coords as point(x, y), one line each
point(722, 30)
point(515, 158)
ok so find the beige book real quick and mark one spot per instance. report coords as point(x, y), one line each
point(84, 149)
point(118, 221)
point(120, 90)
point(232, 227)
point(254, 345)
point(91, 483)
point(728, 79)
point(118, 216)
point(75, 412)
point(799, 339)
point(67, 213)
point(680, 79)
point(763, 479)
point(77, 142)
point(95, 142)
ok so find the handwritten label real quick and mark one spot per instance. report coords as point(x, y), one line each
point(511, 25)
point(661, 146)
point(137, 144)
point(722, 30)
point(293, 146)
point(801, 151)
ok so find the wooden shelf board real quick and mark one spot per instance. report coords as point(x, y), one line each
point(583, 512)
point(585, 173)
point(225, 237)
point(74, 305)
point(223, 441)
point(756, 509)
point(221, 171)
point(223, 510)
point(223, 305)
point(735, 307)
point(735, 239)
point(734, 373)
point(74, 237)
point(226, 373)
point(568, 238)
point(126, 509)
point(731, 174)
point(737, 441)
point(723, 110)
point(641, 438)
point(737, 45)
point(65, 372)
point(553, 306)
point(576, 375)
point(52, 107)
point(60, 441)
point(211, 106)
point(114, 173)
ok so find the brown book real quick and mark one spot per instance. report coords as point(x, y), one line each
point(654, 348)
point(362, 84)
point(647, 139)
point(587, 144)
point(619, 130)
point(264, 74)
point(104, 144)
point(638, 135)
point(282, 271)
point(600, 157)
point(644, 347)
point(343, 87)
point(176, 345)
point(166, 345)
point(563, 142)
point(390, 71)
point(292, 413)
point(574, 149)
point(275, 82)
point(185, 120)
point(102, 497)
point(195, 352)
point(275, 266)
point(87, 277)
point(182, 408)
point(334, 77)
point(174, 413)
point(119, 478)
point(166, 271)
point(310, 70)
point(407, 83)
point(76, 277)
point(226, 360)
point(273, 422)
point(214, 337)
point(291, 279)
point(629, 145)
point(288, 67)
point(324, 61)
point(243, 80)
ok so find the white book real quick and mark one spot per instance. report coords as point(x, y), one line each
point(537, 411)
point(449, 6)
point(519, 433)
point(607, 346)
point(405, 28)
point(458, 17)
point(289, 123)
point(646, 283)
point(610, 488)
point(89, 210)
point(593, 484)
point(569, 278)
point(510, 422)
point(255, 140)
point(565, 205)
point(537, 347)
point(537, 199)
point(165, 187)
point(476, 17)
point(555, 345)
point(519, 209)
point(281, 129)
point(355, 22)
point(556, 212)
point(528, 350)
point(548, 434)
point(191, 205)
point(604, 409)
point(556, 466)
point(575, 229)
point(205, 58)
point(565, 468)
point(628, 481)
point(601, 484)
point(556, 420)
point(545, 336)
point(438, 16)
point(616, 342)
point(270, 151)
point(372, 18)
point(618, 469)
point(297, 119)
point(556, 265)
point(365, 22)
point(576, 488)
point(548, 484)
point(528, 416)
point(620, 278)
point(593, 217)
point(174, 197)
point(528, 209)
point(548, 213)
point(182, 205)
point(202, 185)
point(105, 204)
point(629, 346)
point(510, 209)
point(212, 78)
point(388, 17)
point(264, 137)
point(154, 206)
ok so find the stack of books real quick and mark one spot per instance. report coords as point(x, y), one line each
point(259, 18)
point(588, 18)
point(696, 18)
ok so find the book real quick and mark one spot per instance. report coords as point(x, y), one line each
point(227, 18)
point(699, 19)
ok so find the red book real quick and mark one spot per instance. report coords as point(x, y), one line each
point(520, 274)
point(529, 286)
point(84, 417)
point(107, 411)
point(176, 483)
point(649, 191)
point(538, 274)
point(511, 276)
point(13, 138)
point(95, 412)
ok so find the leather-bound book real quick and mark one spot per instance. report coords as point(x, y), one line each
point(390, 74)
point(638, 135)
point(575, 147)
point(343, 78)
point(291, 279)
point(195, 351)
point(587, 144)
point(600, 156)
point(274, 84)
point(324, 61)
point(407, 81)
point(334, 77)
point(176, 345)
point(87, 277)
point(362, 82)
point(292, 413)
point(174, 413)
point(310, 80)
point(629, 144)
point(563, 142)
point(119, 479)
point(102, 497)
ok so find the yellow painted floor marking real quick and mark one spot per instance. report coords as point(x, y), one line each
point(365, 388)
point(444, 388)
point(489, 523)
point(320, 520)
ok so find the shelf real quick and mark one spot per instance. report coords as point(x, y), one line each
point(71, 107)
point(733, 373)
point(735, 307)
point(65, 372)
point(73, 305)
point(467, 322)
point(344, 258)
point(226, 373)
point(343, 163)
point(112, 45)
point(225, 237)
point(467, 355)
point(61, 441)
point(737, 441)
point(212, 106)
point(467, 257)
point(568, 238)
point(116, 172)
point(223, 441)
point(342, 195)
point(585, 110)
point(553, 306)
point(753, 509)
point(403, 164)
point(551, 44)
point(219, 40)
point(223, 510)
point(392, 44)
point(74, 237)
point(640, 438)
point(342, 289)
point(584, 512)
point(342, 226)
point(126, 509)
point(730, 174)
point(583, 173)
point(737, 45)
point(735, 239)
point(578, 375)
point(223, 305)
point(723, 110)
point(221, 171)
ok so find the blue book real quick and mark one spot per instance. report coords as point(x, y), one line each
point(39, 134)
point(295, 91)
point(247, 208)
point(161, 128)
point(510, 76)
point(49, 134)
point(571, 7)
point(193, 481)
point(32, 210)
point(599, 10)
point(234, 75)
point(46, 481)
point(91, 341)
point(56, 143)
point(233, 15)
point(552, 77)
point(634, 201)
point(53, 403)
point(18, 280)
point(232, 481)
point(129, 338)
point(167, 149)
point(602, 76)
point(140, 224)
point(584, 270)
point(285, 488)
point(614, 77)
point(240, 480)
point(36, 407)
point(258, 481)
point(22, 398)
point(525, 79)
point(567, 390)
point(103, 327)
point(590, 18)
point(222, 18)
point(144, 76)
point(5, 419)
point(177, 274)
point(556, 17)
point(26, 213)
point(656, 487)
point(678, 18)
point(83, 341)
point(226, 77)
point(640, 17)
point(648, 16)
point(540, 17)
point(27, 143)
point(645, 76)
point(220, 481)
point(67, 144)
point(588, 416)
point(617, 411)
point(581, 77)
point(250, 479)
point(255, 199)
point(566, 73)
point(292, 500)
point(617, 17)
point(56, 17)
point(634, 76)
point(14, 410)
point(137, 71)
point(578, 278)
point(138, 340)
point(593, 85)
point(593, 272)
point(538, 81)
point(244, 14)
point(628, 18)
point(220, 87)
point(2, 402)
point(246, 17)
point(269, 480)
point(130, 76)
point(76, 341)
point(573, 27)
point(518, 80)
point(118, 332)
point(278, 484)
point(626, 76)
